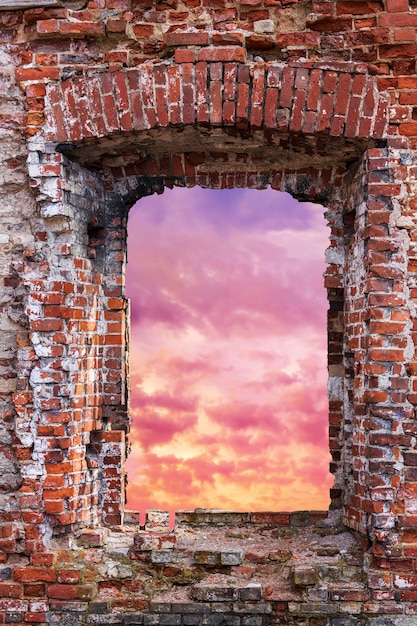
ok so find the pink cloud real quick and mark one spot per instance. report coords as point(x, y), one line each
point(239, 416)
point(240, 283)
point(229, 398)
point(162, 400)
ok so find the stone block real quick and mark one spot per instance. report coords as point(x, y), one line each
point(119, 570)
point(186, 608)
point(105, 620)
point(256, 608)
point(162, 556)
point(160, 607)
point(131, 518)
point(147, 542)
point(264, 26)
point(232, 557)
point(214, 593)
point(280, 555)
point(252, 620)
point(99, 607)
point(319, 608)
point(213, 619)
point(193, 619)
point(62, 619)
point(304, 576)
point(251, 593)
point(318, 595)
point(134, 619)
point(300, 518)
point(170, 619)
point(208, 558)
point(157, 521)
point(93, 538)
point(210, 516)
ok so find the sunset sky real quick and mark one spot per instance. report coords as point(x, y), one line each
point(228, 352)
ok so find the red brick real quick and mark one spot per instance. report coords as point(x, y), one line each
point(330, 82)
point(281, 519)
point(314, 89)
point(386, 355)
point(188, 103)
point(37, 73)
point(116, 26)
point(348, 7)
point(109, 112)
point(409, 581)
point(260, 42)
point(10, 590)
point(375, 396)
point(230, 75)
point(122, 99)
point(47, 27)
point(288, 76)
point(47, 325)
point(161, 106)
point(408, 128)
point(135, 101)
point(310, 123)
point(352, 118)
point(143, 31)
point(227, 53)
point(174, 87)
point(36, 90)
point(331, 24)
point(147, 87)
point(35, 618)
point(380, 119)
point(96, 106)
point(43, 559)
point(326, 111)
point(297, 110)
point(270, 113)
point(81, 29)
point(227, 39)
point(31, 574)
point(69, 576)
point(186, 39)
point(62, 592)
point(242, 110)
point(397, 6)
point(216, 102)
point(398, 51)
point(405, 34)
point(398, 19)
point(183, 56)
point(229, 112)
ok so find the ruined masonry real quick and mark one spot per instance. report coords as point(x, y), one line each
point(104, 102)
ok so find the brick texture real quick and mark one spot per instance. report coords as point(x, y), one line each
point(318, 100)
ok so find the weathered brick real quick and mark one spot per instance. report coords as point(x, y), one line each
point(187, 69)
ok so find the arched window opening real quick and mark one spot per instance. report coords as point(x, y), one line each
point(228, 351)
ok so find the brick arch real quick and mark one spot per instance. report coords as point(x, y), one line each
point(338, 100)
point(111, 138)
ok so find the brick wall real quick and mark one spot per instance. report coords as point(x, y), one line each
point(105, 102)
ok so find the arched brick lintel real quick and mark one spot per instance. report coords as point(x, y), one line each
point(301, 98)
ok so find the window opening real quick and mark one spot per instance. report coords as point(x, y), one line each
point(228, 352)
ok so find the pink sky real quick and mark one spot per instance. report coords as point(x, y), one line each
point(228, 352)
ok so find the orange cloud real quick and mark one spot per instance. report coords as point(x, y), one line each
point(229, 400)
